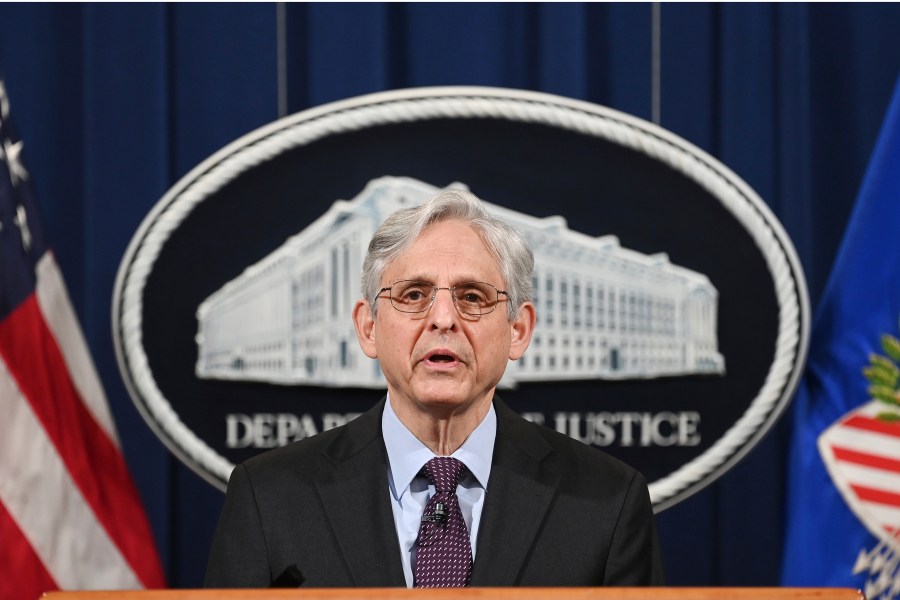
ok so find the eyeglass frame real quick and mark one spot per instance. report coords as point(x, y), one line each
point(436, 289)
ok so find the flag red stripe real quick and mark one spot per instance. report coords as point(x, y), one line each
point(94, 462)
point(22, 574)
point(875, 495)
point(869, 460)
point(874, 425)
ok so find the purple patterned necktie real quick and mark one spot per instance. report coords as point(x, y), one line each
point(444, 554)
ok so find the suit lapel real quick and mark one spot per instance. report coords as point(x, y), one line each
point(352, 483)
point(520, 492)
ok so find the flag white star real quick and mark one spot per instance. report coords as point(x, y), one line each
point(13, 151)
point(21, 219)
point(4, 102)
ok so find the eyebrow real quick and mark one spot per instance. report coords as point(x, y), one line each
point(430, 280)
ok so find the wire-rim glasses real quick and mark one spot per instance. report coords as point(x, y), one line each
point(473, 298)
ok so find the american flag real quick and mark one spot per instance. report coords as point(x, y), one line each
point(70, 515)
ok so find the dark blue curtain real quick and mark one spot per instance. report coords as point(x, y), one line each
point(116, 102)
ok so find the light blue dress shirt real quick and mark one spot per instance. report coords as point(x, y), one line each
point(410, 493)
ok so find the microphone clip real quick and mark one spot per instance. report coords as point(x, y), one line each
point(438, 516)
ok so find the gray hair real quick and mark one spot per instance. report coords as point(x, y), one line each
point(401, 229)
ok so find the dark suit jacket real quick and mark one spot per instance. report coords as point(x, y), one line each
point(556, 513)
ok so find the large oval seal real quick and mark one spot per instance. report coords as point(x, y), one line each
point(673, 312)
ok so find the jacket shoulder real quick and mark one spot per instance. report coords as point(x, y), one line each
point(300, 459)
point(577, 461)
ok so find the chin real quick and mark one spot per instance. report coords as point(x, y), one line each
point(449, 398)
point(441, 400)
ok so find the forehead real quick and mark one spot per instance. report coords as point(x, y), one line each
point(448, 251)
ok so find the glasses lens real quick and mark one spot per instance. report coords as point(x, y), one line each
point(411, 296)
point(475, 298)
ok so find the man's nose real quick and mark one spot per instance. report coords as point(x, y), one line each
point(443, 313)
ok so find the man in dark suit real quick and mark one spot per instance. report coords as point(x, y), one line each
point(367, 504)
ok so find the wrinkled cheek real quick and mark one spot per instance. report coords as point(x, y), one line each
point(394, 361)
point(493, 369)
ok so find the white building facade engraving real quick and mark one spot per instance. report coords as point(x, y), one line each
point(604, 312)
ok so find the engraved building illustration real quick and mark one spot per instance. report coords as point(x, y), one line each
point(604, 311)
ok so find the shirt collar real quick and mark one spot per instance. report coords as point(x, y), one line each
point(407, 455)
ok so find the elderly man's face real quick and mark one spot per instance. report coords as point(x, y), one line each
point(442, 359)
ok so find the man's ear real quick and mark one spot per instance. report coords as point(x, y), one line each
point(522, 328)
point(364, 322)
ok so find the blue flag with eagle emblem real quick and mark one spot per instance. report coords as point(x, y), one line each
point(843, 501)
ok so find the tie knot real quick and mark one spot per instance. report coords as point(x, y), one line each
point(444, 473)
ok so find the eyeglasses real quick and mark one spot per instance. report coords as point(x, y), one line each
point(472, 298)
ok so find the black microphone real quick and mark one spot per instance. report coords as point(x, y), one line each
point(289, 578)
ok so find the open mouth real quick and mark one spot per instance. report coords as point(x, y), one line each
point(441, 357)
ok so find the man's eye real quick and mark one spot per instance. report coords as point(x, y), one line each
point(473, 297)
point(413, 295)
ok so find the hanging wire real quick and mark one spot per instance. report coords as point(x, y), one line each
point(655, 63)
point(281, 50)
